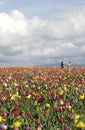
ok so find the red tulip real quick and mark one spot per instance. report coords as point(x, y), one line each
point(29, 113)
point(20, 99)
point(61, 96)
point(16, 107)
point(61, 120)
point(16, 113)
point(57, 109)
point(45, 114)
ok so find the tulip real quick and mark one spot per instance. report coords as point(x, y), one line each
point(1, 102)
point(61, 120)
point(17, 124)
point(65, 128)
point(16, 113)
point(80, 125)
point(45, 114)
point(29, 113)
point(38, 121)
point(16, 128)
point(27, 128)
point(38, 128)
point(54, 98)
point(28, 119)
point(16, 107)
point(5, 113)
point(3, 127)
point(22, 115)
point(1, 119)
point(41, 98)
point(47, 105)
point(82, 97)
point(72, 118)
point(57, 109)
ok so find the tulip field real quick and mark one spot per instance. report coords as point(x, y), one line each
point(42, 98)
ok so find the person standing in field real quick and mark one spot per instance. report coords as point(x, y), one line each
point(62, 65)
point(69, 66)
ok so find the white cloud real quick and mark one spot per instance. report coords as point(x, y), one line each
point(83, 48)
point(1, 2)
point(68, 45)
point(37, 41)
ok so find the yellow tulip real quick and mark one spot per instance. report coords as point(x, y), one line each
point(65, 88)
point(5, 84)
point(1, 119)
point(15, 84)
point(77, 116)
point(77, 88)
point(80, 125)
point(82, 97)
point(47, 105)
point(29, 96)
point(17, 124)
point(15, 96)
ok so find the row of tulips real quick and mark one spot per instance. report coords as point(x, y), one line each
point(41, 98)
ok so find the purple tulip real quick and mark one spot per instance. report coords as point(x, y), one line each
point(41, 99)
point(1, 102)
point(74, 101)
point(65, 128)
point(84, 90)
point(72, 118)
point(54, 98)
point(27, 128)
point(1, 127)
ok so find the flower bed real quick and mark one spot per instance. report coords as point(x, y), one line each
point(41, 98)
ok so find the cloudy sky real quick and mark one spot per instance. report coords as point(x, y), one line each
point(38, 32)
